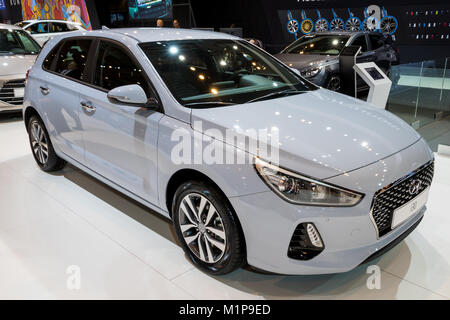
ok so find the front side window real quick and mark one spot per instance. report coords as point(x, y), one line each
point(72, 58)
point(17, 42)
point(114, 68)
point(330, 45)
point(220, 71)
point(376, 42)
point(38, 28)
point(361, 42)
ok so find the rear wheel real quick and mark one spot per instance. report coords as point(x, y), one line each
point(207, 228)
point(42, 147)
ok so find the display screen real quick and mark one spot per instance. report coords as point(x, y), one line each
point(374, 73)
point(150, 9)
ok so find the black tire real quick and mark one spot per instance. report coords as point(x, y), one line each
point(234, 255)
point(334, 83)
point(51, 162)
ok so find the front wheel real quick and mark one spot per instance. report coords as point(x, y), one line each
point(207, 228)
point(42, 147)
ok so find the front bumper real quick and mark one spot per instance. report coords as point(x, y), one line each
point(12, 90)
point(6, 107)
point(348, 234)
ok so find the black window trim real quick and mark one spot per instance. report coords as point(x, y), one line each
point(89, 69)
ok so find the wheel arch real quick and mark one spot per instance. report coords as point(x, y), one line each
point(28, 113)
point(185, 175)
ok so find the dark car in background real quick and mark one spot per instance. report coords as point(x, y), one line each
point(316, 55)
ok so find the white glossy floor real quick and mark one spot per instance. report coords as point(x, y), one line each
point(51, 222)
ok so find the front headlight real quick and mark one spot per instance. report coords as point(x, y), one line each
point(312, 72)
point(302, 190)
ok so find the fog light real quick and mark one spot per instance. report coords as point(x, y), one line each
point(306, 242)
point(314, 236)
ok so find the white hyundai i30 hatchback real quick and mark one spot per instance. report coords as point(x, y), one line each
point(252, 163)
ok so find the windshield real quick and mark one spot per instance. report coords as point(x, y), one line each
point(221, 72)
point(17, 42)
point(330, 45)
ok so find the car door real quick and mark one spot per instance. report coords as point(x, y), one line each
point(39, 31)
point(120, 141)
point(65, 68)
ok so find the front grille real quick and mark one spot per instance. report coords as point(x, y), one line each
point(391, 198)
point(7, 93)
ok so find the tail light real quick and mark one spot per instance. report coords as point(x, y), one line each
point(26, 75)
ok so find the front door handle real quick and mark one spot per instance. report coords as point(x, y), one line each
point(88, 107)
point(45, 90)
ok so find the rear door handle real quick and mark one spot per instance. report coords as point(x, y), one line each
point(88, 107)
point(45, 90)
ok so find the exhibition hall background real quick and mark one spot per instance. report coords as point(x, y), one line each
point(421, 88)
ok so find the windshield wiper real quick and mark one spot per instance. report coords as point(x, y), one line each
point(276, 94)
point(209, 103)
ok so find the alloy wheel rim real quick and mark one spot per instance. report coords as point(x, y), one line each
point(202, 228)
point(39, 143)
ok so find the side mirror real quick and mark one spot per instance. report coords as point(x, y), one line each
point(131, 95)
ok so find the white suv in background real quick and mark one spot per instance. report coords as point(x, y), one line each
point(18, 52)
point(44, 30)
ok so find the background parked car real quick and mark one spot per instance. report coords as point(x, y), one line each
point(18, 52)
point(44, 30)
point(316, 55)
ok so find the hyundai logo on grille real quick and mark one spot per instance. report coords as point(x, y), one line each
point(414, 187)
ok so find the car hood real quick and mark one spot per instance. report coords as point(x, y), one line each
point(300, 61)
point(15, 64)
point(321, 133)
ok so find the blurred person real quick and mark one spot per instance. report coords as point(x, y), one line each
point(176, 24)
point(160, 23)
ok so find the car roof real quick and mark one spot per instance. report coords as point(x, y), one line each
point(9, 26)
point(49, 20)
point(160, 34)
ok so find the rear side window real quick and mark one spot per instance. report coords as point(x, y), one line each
point(72, 58)
point(57, 27)
point(115, 68)
point(48, 64)
point(38, 28)
point(376, 41)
